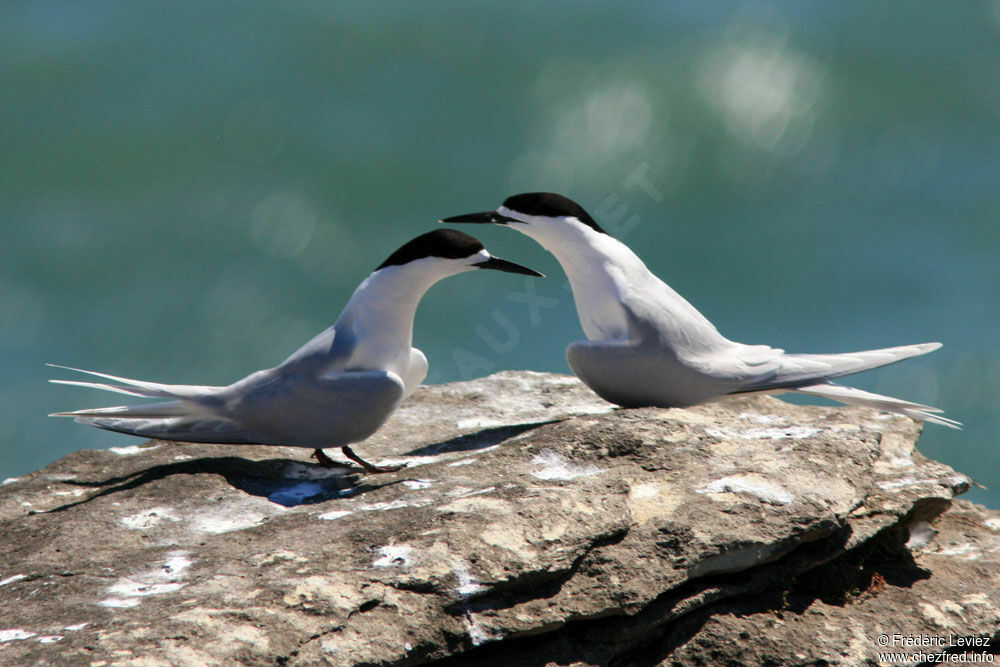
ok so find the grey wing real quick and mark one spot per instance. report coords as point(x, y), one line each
point(798, 370)
point(180, 429)
point(685, 336)
point(636, 374)
point(669, 322)
point(308, 411)
point(328, 351)
point(267, 408)
point(672, 358)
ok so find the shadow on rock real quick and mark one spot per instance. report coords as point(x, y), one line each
point(852, 578)
point(284, 482)
point(478, 440)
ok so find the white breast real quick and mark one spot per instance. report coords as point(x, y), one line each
point(597, 294)
point(601, 271)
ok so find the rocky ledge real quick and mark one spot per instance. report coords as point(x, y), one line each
point(535, 524)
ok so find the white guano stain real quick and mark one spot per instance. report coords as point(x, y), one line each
point(478, 635)
point(128, 591)
point(49, 639)
point(10, 480)
point(465, 492)
point(644, 491)
point(411, 461)
point(467, 584)
point(555, 466)
point(761, 419)
point(479, 423)
point(774, 433)
point(921, 534)
point(977, 599)
point(394, 555)
point(232, 516)
point(216, 524)
point(120, 603)
point(904, 482)
point(897, 452)
point(11, 579)
point(968, 550)
point(419, 501)
point(959, 481)
point(149, 518)
point(76, 493)
point(417, 484)
point(335, 514)
point(214, 520)
point(131, 450)
point(899, 460)
point(14, 634)
point(762, 489)
point(76, 627)
point(937, 615)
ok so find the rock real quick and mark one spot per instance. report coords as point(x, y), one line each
point(942, 592)
point(535, 523)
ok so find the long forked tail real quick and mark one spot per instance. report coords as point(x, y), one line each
point(852, 396)
point(136, 387)
point(183, 418)
point(812, 374)
point(802, 369)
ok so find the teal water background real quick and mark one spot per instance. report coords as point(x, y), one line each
point(190, 190)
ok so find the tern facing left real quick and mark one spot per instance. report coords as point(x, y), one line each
point(649, 347)
point(337, 389)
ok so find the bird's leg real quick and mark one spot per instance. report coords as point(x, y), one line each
point(326, 461)
point(369, 468)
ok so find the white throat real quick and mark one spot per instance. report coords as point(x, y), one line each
point(379, 315)
point(600, 269)
point(612, 287)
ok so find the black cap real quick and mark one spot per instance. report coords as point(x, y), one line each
point(446, 243)
point(551, 205)
point(450, 244)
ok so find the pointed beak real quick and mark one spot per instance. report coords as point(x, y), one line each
point(484, 217)
point(504, 265)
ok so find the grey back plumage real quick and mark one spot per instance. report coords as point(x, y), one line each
point(649, 347)
point(307, 401)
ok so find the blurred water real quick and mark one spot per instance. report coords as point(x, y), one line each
point(191, 192)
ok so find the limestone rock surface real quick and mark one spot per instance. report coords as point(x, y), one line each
point(534, 524)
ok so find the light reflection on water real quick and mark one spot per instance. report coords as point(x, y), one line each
point(188, 199)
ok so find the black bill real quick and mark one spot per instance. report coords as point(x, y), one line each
point(504, 265)
point(484, 217)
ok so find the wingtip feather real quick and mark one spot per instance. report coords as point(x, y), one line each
point(943, 421)
point(66, 368)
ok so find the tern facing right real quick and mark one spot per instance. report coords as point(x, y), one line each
point(337, 389)
point(649, 347)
